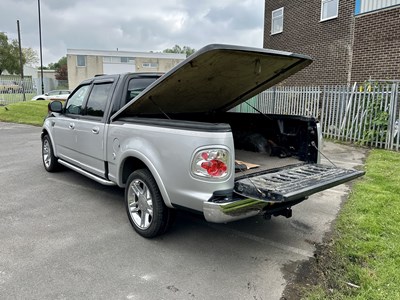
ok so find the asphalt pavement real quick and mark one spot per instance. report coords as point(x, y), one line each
point(63, 236)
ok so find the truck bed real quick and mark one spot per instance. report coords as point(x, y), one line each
point(265, 161)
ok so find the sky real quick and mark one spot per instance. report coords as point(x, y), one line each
point(132, 25)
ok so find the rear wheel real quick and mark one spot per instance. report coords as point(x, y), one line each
point(49, 160)
point(146, 210)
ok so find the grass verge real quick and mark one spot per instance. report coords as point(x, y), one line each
point(363, 260)
point(29, 112)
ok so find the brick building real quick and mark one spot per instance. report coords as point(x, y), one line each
point(349, 40)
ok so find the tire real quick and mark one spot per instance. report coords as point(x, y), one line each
point(50, 162)
point(146, 210)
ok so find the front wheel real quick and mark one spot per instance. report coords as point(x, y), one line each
point(49, 160)
point(146, 210)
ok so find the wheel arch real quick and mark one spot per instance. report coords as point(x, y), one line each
point(45, 131)
point(137, 161)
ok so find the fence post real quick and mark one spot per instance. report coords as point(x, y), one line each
point(273, 99)
point(322, 118)
point(392, 117)
point(397, 126)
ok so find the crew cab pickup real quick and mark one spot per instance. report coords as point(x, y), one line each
point(173, 141)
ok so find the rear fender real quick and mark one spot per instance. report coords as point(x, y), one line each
point(148, 163)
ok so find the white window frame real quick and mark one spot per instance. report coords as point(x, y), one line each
point(366, 6)
point(84, 60)
point(274, 19)
point(323, 2)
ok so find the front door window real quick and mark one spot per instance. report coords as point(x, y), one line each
point(75, 102)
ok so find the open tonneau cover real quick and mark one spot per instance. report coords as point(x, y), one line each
point(292, 182)
point(215, 78)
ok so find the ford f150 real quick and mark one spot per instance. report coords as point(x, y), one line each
point(172, 141)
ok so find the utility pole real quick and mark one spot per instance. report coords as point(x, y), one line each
point(20, 61)
point(40, 40)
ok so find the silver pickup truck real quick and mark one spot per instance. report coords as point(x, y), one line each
point(173, 141)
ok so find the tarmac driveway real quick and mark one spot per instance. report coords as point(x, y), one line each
point(63, 236)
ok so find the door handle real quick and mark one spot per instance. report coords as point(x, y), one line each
point(71, 126)
point(95, 130)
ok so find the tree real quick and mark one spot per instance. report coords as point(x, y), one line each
point(30, 55)
point(9, 55)
point(62, 73)
point(178, 49)
point(61, 68)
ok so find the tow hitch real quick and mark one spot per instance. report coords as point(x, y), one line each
point(286, 212)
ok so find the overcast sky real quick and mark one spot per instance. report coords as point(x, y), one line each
point(132, 25)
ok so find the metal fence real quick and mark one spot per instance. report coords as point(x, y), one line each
point(366, 114)
point(303, 101)
point(15, 89)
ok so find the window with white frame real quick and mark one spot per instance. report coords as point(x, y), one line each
point(81, 60)
point(277, 21)
point(364, 6)
point(329, 9)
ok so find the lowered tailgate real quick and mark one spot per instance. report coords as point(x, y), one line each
point(292, 182)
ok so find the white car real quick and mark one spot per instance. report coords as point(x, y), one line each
point(53, 95)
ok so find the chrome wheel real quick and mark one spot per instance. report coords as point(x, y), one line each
point(50, 162)
point(140, 204)
point(147, 212)
point(46, 153)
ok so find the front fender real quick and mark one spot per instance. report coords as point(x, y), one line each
point(47, 129)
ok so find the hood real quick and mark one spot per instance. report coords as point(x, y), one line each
point(215, 78)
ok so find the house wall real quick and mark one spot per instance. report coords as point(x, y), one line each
point(377, 46)
point(94, 65)
point(345, 49)
point(327, 42)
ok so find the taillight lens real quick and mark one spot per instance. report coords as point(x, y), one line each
point(211, 163)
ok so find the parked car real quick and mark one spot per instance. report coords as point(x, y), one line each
point(10, 86)
point(173, 142)
point(53, 95)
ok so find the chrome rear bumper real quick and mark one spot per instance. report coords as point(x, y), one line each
point(231, 211)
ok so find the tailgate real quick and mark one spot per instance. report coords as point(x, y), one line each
point(292, 182)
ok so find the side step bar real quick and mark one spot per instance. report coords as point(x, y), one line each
point(87, 174)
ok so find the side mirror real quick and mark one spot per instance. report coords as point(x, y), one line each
point(55, 106)
point(46, 94)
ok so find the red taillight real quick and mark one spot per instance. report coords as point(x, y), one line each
point(213, 163)
point(214, 167)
